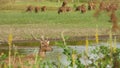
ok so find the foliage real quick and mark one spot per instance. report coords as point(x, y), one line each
point(99, 57)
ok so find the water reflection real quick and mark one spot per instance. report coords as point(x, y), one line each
point(53, 55)
point(56, 50)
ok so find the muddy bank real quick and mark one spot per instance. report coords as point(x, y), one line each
point(76, 40)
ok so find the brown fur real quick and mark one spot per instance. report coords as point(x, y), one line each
point(113, 7)
point(108, 6)
point(44, 48)
point(113, 19)
point(108, 9)
point(29, 8)
point(36, 9)
point(61, 10)
point(64, 9)
point(64, 3)
point(68, 9)
point(78, 8)
point(83, 8)
point(91, 5)
point(30, 59)
point(43, 8)
point(102, 5)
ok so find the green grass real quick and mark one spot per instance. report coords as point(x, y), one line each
point(50, 23)
point(76, 19)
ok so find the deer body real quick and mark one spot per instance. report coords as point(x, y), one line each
point(44, 47)
point(91, 6)
point(29, 8)
point(43, 8)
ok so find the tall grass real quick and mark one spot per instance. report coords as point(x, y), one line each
point(10, 48)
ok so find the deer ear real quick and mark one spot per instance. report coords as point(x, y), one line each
point(48, 42)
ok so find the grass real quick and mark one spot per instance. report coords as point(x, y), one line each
point(52, 18)
point(49, 23)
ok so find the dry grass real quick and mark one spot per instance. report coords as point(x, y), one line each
point(23, 32)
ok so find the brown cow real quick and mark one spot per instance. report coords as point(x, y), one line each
point(43, 8)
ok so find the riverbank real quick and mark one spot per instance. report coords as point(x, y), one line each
point(76, 40)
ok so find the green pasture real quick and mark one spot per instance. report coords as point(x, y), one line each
point(53, 18)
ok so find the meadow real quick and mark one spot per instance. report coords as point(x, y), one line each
point(14, 19)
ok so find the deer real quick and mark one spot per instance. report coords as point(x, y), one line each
point(64, 3)
point(78, 8)
point(43, 8)
point(44, 46)
point(91, 5)
point(81, 8)
point(68, 9)
point(113, 19)
point(31, 59)
point(36, 9)
point(64, 8)
point(61, 10)
point(29, 8)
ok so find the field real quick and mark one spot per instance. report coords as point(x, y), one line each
point(21, 24)
point(14, 19)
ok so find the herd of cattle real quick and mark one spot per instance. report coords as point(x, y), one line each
point(109, 7)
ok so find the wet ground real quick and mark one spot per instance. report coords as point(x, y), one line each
point(76, 40)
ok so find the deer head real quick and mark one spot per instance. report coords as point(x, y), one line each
point(44, 47)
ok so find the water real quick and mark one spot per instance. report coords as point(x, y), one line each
point(52, 55)
point(33, 49)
